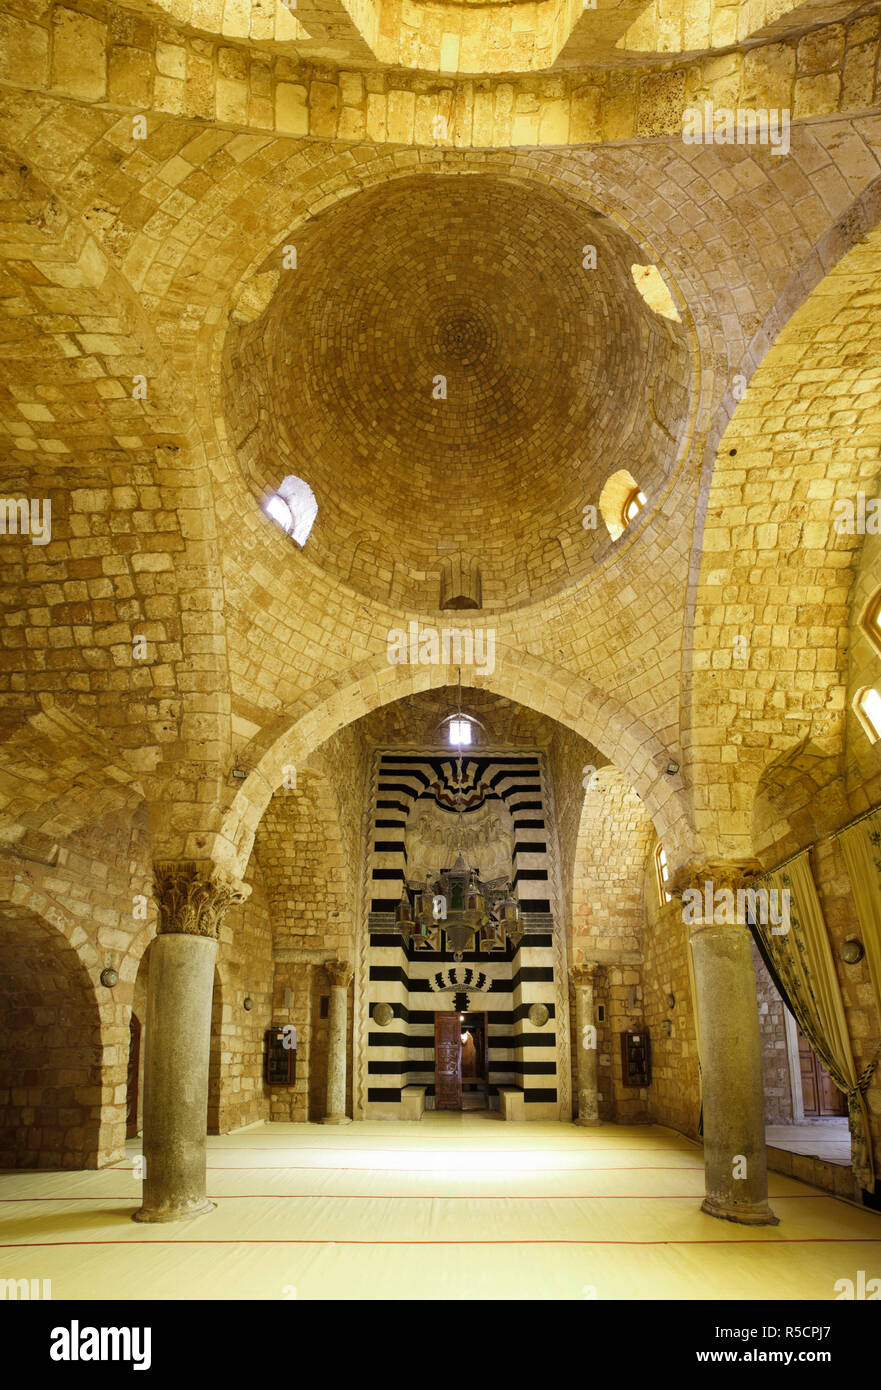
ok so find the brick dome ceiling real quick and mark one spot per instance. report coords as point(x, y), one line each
point(555, 376)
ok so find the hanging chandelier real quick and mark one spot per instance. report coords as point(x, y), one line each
point(458, 902)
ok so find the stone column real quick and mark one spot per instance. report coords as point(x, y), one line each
point(192, 899)
point(735, 1156)
point(340, 973)
point(583, 977)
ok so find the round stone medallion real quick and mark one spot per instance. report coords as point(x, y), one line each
point(539, 1015)
point(383, 1015)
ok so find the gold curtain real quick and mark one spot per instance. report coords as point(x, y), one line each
point(861, 848)
point(804, 962)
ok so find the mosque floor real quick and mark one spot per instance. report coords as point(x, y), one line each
point(456, 1206)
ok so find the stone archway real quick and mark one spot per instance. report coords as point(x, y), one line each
point(50, 1049)
point(517, 675)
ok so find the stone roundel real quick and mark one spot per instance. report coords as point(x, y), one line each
point(448, 376)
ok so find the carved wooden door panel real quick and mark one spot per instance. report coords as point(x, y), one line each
point(820, 1095)
point(447, 1062)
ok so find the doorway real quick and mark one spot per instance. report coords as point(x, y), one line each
point(461, 1061)
point(820, 1096)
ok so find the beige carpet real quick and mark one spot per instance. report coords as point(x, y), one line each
point(456, 1206)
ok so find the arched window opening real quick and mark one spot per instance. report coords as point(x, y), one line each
point(294, 508)
point(663, 874)
point(868, 707)
point(621, 502)
point(653, 288)
point(459, 732)
point(633, 506)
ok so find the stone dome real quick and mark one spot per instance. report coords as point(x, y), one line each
point(450, 375)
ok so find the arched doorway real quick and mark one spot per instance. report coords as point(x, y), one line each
point(50, 1048)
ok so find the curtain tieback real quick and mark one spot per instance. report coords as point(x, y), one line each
point(865, 1075)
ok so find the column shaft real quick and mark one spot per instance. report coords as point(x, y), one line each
point(731, 1071)
point(178, 1038)
point(340, 973)
point(585, 1042)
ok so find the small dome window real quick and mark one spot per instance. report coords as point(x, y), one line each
point(294, 507)
point(621, 501)
point(651, 285)
point(868, 707)
point(633, 506)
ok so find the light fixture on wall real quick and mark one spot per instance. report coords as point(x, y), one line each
point(458, 902)
point(851, 951)
point(109, 977)
point(248, 1003)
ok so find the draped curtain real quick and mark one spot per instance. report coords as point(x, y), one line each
point(861, 848)
point(802, 963)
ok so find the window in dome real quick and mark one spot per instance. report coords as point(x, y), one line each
point(663, 873)
point(633, 506)
point(621, 501)
point(294, 507)
point(868, 708)
point(651, 285)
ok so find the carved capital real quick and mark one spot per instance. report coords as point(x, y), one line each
point(339, 972)
point(584, 976)
point(733, 874)
point(194, 896)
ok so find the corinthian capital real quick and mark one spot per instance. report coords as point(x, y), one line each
point(732, 874)
point(194, 896)
point(340, 972)
point(584, 975)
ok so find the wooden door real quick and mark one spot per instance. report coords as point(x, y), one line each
point(820, 1095)
point(447, 1062)
point(134, 1057)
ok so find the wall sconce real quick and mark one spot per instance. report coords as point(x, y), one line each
point(248, 1003)
point(668, 1024)
point(671, 1001)
point(109, 977)
point(851, 951)
point(672, 769)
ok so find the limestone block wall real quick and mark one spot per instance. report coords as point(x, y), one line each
point(674, 1095)
point(244, 969)
point(775, 1062)
point(291, 1103)
point(71, 907)
point(608, 922)
point(99, 54)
